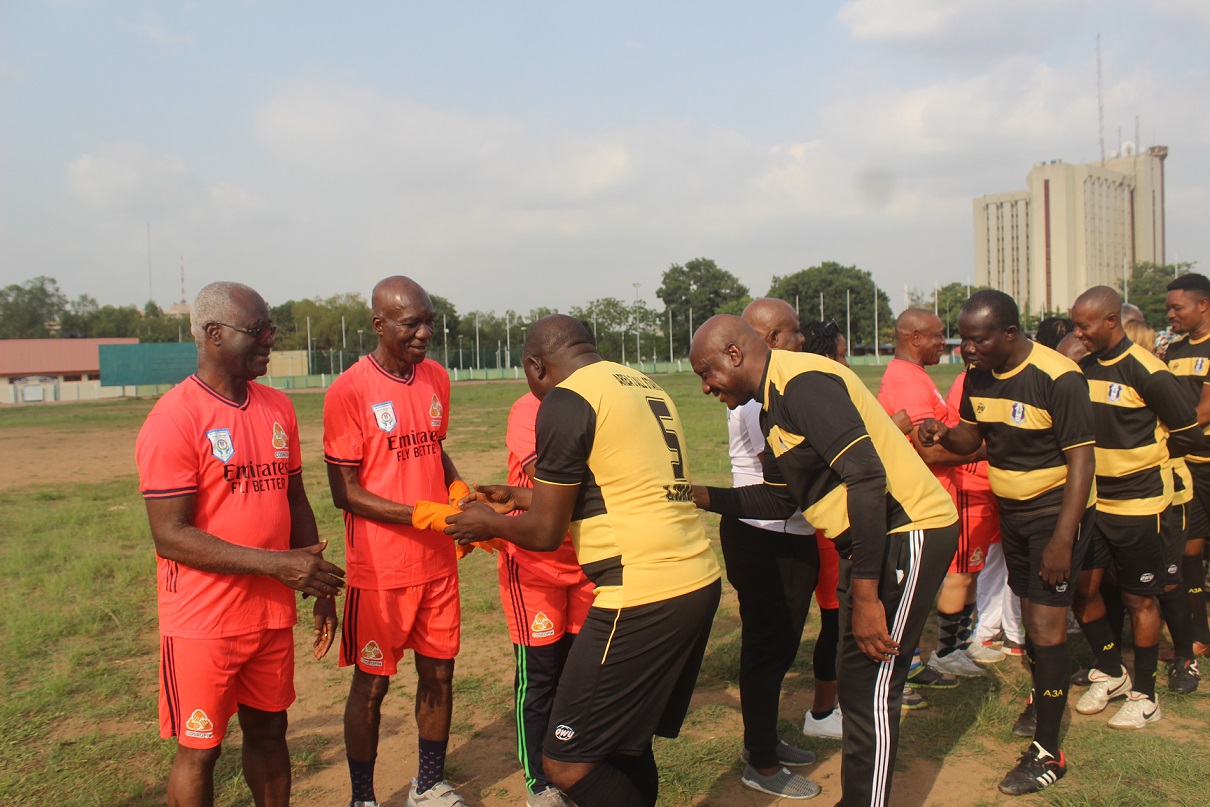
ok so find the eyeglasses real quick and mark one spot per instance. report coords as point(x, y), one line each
point(264, 332)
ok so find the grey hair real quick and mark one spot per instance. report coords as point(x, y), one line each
point(214, 304)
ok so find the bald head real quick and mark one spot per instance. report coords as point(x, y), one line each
point(1132, 313)
point(919, 337)
point(396, 291)
point(557, 333)
point(1097, 317)
point(775, 321)
point(730, 359)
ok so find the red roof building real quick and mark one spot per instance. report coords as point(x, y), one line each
point(63, 359)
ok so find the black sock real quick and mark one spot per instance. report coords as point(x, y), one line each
point(1146, 659)
point(1195, 580)
point(606, 786)
point(361, 775)
point(432, 763)
point(1030, 656)
point(1052, 669)
point(642, 773)
point(966, 626)
point(821, 715)
point(1174, 607)
point(948, 626)
point(1104, 646)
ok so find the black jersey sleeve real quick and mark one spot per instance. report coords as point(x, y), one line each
point(1172, 404)
point(773, 502)
point(565, 428)
point(818, 407)
point(1071, 411)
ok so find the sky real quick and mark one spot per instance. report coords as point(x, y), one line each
point(526, 154)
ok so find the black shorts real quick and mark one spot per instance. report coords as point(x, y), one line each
point(1175, 533)
point(1135, 550)
point(1025, 530)
point(629, 676)
point(1196, 523)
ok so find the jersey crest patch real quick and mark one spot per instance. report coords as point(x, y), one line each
point(1018, 412)
point(435, 412)
point(384, 415)
point(1199, 366)
point(1115, 393)
point(542, 626)
point(221, 445)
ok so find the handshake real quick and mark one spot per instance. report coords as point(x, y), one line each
point(436, 515)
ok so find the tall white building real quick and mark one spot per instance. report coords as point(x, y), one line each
point(1076, 226)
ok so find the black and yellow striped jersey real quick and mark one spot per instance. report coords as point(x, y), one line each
point(1189, 361)
point(615, 433)
point(845, 463)
point(1028, 417)
point(1136, 404)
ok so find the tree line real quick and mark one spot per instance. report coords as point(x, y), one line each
point(690, 292)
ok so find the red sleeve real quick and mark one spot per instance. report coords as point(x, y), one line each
point(521, 437)
point(343, 441)
point(166, 458)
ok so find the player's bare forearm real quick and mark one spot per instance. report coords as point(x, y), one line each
point(447, 467)
point(541, 528)
point(303, 529)
point(962, 439)
point(349, 495)
point(938, 454)
point(1081, 468)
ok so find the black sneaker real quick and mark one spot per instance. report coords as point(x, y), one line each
point(1080, 678)
point(1036, 769)
point(1027, 722)
point(1183, 676)
point(926, 676)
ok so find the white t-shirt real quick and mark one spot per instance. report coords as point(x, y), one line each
point(747, 442)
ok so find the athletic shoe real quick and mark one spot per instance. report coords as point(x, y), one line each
point(1136, 713)
point(1080, 677)
point(981, 654)
point(550, 797)
point(995, 640)
point(1036, 769)
point(912, 699)
point(788, 755)
point(1201, 650)
point(1027, 722)
point(1102, 689)
point(957, 664)
point(1183, 676)
point(441, 794)
point(925, 676)
point(828, 728)
point(363, 804)
point(782, 784)
point(1013, 648)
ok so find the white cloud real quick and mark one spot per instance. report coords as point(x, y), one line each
point(132, 179)
point(165, 38)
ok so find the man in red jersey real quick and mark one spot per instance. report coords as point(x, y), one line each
point(221, 474)
point(546, 598)
point(384, 420)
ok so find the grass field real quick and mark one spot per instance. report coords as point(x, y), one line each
point(78, 650)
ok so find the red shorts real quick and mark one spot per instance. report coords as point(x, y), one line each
point(380, 624)
point(541, 608)
point(979, 528)
point(205, 681)
point(829, 574)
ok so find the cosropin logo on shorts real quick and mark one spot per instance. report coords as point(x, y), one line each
point(199, 726)
point(371, 654)
point(280, 443)
point(542, 626)
point(435, 411)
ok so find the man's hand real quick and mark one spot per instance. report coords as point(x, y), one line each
point(1056, 563)
point(902, 421)
point(498, 497)
point(325, 626)
point(701, 497)
point(931, 432)
point(869, 628)
point(305, 570)
point(473, 523)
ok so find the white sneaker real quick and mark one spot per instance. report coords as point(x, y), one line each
point(363, 804)
point(956, 663)
point(1102, 689)
point(828, 728)
point(984, 655)
point(550, 797)
point(441, 794)
point(1136, 713)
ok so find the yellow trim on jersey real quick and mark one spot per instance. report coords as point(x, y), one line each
point(1103, 392)
point(782, 441)
point(1001, 410)
point(1124, 461)
point(841, 452)
point(1022, 485)
point(1134, 507)
point(1180, 469)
